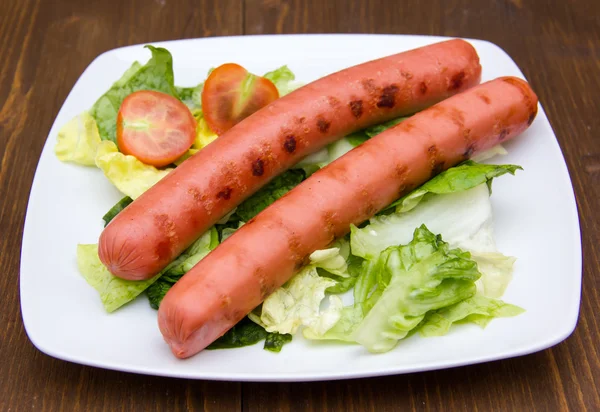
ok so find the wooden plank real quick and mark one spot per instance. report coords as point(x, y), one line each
point(45, 47)
point(557, 45)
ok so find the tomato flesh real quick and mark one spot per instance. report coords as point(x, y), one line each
point(231, 93)
point(155, 127)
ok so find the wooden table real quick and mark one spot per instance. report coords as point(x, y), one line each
point(45, 46)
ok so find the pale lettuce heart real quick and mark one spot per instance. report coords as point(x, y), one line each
point(297, 303)
point(464, 219)
point(127, 173)
point(114, 291)
point(78, 140)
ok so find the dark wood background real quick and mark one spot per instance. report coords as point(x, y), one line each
point(45, 46)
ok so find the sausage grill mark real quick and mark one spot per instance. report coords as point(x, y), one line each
point(323, 125)
point(388, 96)
point(436, 165)
point(369, 86)
point(484, 97)
point(437, 168)
point(457, 81)
point(469, 151)
point(165, 225)
point(333, 102)
point(289, 144)
point(225, 194)
point(356, 106)
point(423, 88)
point(258, 167)
point(503, 133)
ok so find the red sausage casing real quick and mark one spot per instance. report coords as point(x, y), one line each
point(166, 219)
point(264, 253)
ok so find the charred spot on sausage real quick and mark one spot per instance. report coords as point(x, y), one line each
point(484, 97)
point(457, 80)
point(369, 86)
point(225, 194)
point(323, 125)
point(289, 144)
point(437, 168)
point(163, 250)
point(388, 96)
point(423, 88)
point(300, 263)
point(503, 133)
point(356, 106)
point(531, 117)
point(333, 102)
point(469, 151)
point(258, 167)
point(406, 75)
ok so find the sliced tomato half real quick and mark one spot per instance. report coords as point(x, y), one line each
point(155, 127)
point(231, 94)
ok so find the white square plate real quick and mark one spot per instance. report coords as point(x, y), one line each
point(535, 219)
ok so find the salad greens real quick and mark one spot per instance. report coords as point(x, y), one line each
point(116, 209)
point(272, 191)
point(426, 263)
point(156, 74)
point(464, 176)
point(115, 292)
point(283, 78)
point(246, 333)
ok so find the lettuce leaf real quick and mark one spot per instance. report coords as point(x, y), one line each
point(191, 97)
point(399, 288)
point(283, 78)
point(463, 218)
point(127, 173)
point(156, 74)
point(497, 272)
point(275, 341)
point(477, 309)
point(180, 266)
point(204, 135)
point(421, 276)
point(375, 130)
point(78, 140)
point(114, 291)
point(244, 333)
point(296, 303)
point(272, 191)
point(465, 176)
point(116, 209)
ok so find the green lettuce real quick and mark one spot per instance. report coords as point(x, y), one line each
point(272, 191)
point(275, 341)
point(400, 287)
point(114, 292)
point(283, 78)
point(180, 266)
point(191, 97)
point(477, 309)
point(116, 209)
point(156, 74)
point(465, 176)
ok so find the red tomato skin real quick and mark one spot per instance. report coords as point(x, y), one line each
point(169, 135)
point(221, 92)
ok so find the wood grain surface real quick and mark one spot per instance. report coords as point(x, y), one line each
point(45, 46)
